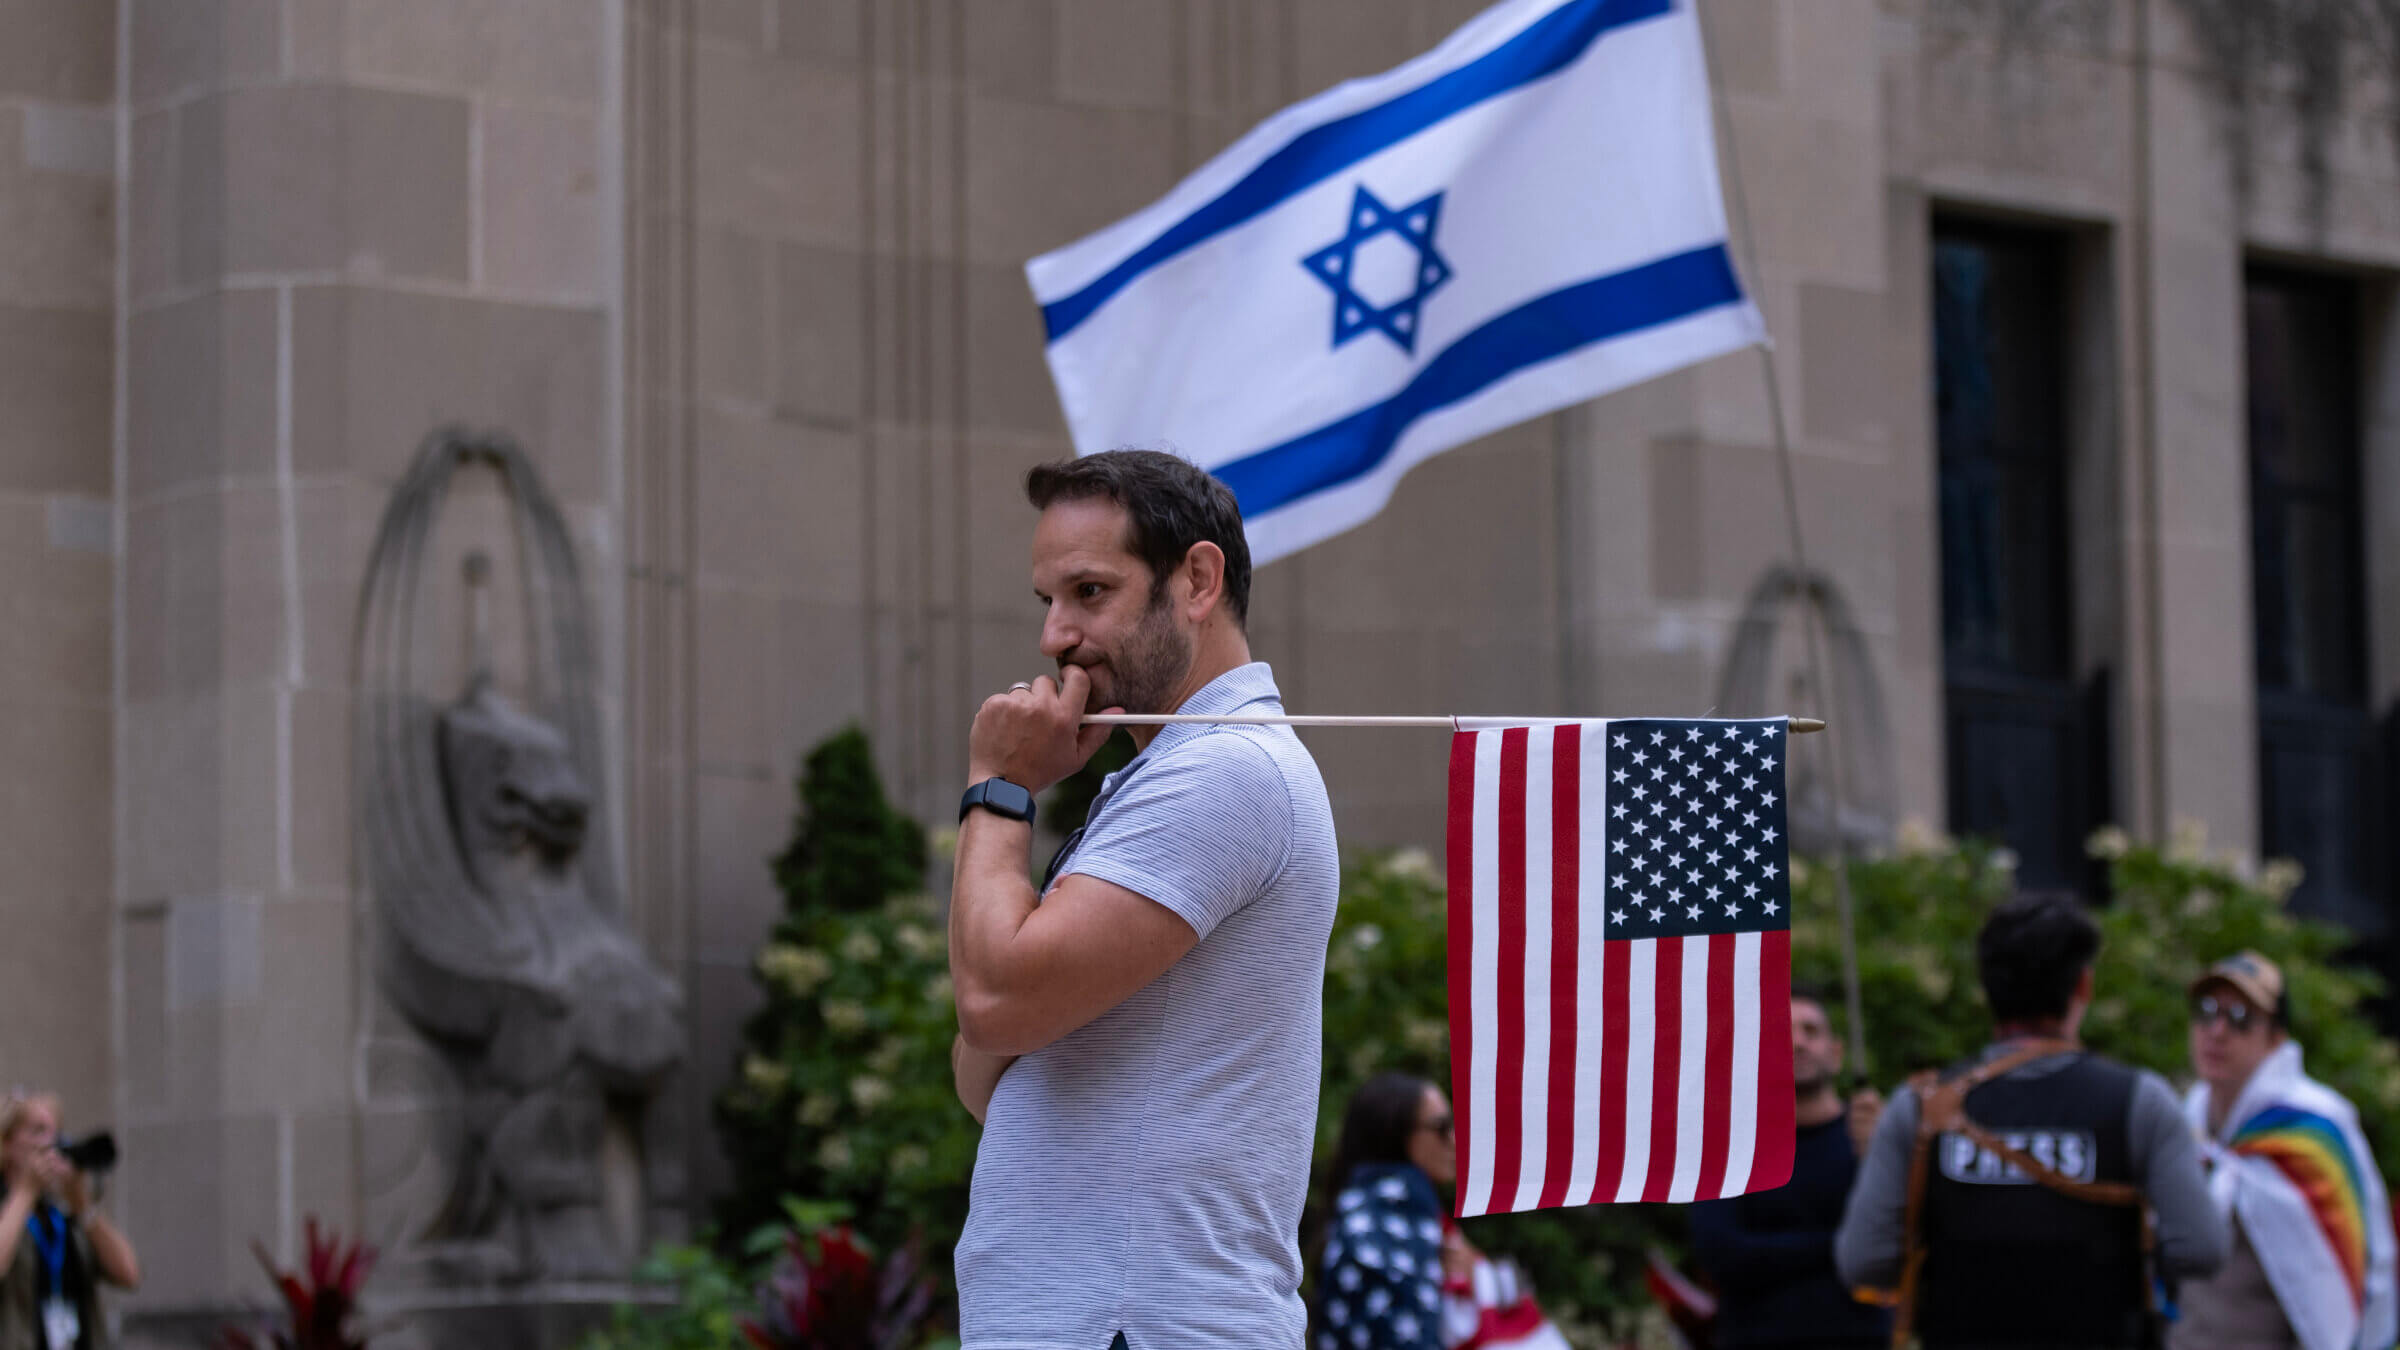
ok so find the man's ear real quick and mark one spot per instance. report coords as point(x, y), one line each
point(1204, 569)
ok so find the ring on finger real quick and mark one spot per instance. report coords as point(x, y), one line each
point(1021, 684)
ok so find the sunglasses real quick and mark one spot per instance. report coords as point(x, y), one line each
point(1440, 1127)
point(2233, 1012)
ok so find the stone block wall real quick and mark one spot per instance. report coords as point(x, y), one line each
point(58, 532)
point(349, 221)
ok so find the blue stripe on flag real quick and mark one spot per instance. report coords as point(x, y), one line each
point(1545, 47)
point(1540, 329)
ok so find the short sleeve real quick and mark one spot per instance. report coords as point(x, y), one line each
point(1201, 831)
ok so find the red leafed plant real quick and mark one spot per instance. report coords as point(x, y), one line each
point(825, 1293)
point(320, 1297)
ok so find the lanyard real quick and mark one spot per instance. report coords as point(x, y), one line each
point(51, 1245)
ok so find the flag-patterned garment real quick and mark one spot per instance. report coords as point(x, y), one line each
point(2310, 1151)
point(1620, 962)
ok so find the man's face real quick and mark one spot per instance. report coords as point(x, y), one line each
point(1100, 616)
point(2225, 1054)
point(1816, 1055)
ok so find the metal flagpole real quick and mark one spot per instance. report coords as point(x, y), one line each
point(1745, 240)
point(1799, 725)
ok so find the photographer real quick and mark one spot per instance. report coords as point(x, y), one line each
point(54, 1245)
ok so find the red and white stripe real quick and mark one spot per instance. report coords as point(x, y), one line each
point(1588, 1069)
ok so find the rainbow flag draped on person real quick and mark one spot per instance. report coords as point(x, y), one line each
point(2310, 1152)
point(2290, 1164)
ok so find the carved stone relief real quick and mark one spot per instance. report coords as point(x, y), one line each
point(521, 1039)
point(1767, 672)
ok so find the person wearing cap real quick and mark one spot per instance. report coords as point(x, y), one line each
point(1952, 1215)
point(2311, 1261)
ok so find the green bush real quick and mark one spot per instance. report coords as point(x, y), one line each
point(843, 1090)
point(707, 1296)
point(1917, 912)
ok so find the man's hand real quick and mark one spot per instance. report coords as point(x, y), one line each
point(1866, 1111)
point(19, 1171)
point(1034, 736)
point(75, 1192)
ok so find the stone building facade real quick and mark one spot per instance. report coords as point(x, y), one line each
point(743, 276)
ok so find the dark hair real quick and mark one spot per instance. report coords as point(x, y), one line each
point(2031, 952)
point(1172, 504)
point(1377, 1126)
point(1808, 992)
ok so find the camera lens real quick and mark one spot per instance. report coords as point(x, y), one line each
point(91, 1153)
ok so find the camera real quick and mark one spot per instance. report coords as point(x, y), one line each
point(91, 1153)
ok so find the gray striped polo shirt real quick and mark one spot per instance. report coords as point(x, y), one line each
point(1145, 1172)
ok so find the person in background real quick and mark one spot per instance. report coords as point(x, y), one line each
point(2007, 1261)
point(1770, 1254)
point(55, 1244)
point(2311, 1263)
point(1387, 1253)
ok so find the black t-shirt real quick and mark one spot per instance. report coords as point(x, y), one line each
point(1771, 1254)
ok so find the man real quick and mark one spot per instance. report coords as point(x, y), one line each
point(2007, 1261)
point(1771, 1252)
point(2311, 1261)
point(1142, 1039)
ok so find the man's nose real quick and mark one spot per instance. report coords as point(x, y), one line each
point(1059, 636)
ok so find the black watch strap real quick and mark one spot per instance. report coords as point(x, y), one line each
point(1000, 796)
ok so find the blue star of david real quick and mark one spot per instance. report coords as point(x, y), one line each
point(1353, 313)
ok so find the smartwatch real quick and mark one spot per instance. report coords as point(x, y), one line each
point(999, 796)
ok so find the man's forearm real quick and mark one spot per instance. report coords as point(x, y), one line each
point(13, 1215)
point(2192, 1236)
point(976, 1075)
point(111, 1252)
point(990, 899)
point(1872, 1243)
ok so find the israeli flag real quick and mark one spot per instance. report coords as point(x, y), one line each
point(1521, 219)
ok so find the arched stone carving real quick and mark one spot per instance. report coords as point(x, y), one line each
point(1766, 673)
point(522, 1036)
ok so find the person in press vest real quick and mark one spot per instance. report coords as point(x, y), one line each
point(2311, 1262)
point(1770, 1253)
point(56, 1247)
point(1141, 1036)
point(1996, 1259)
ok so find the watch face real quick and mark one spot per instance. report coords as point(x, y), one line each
point(1011, 798)
point(1000, 795)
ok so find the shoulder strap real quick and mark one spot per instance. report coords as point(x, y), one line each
point(1942, 1109)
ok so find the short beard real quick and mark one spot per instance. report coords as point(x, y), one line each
point(1154, 660)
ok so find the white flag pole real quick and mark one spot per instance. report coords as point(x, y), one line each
point(1799, 725)
point(1746, 240)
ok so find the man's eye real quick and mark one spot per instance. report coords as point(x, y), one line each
point(1089, 590)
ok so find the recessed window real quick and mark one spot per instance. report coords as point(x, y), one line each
point(2027, 733)
point(2319, 763)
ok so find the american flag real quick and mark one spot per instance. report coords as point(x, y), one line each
point(1620, 962)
